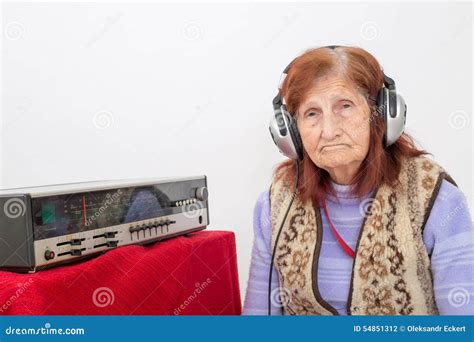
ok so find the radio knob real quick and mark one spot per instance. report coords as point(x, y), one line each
point(48, 255)
point(202, 193)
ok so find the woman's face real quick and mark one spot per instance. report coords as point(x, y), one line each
point(333, 121)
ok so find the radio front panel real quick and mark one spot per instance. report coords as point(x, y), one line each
point(65, 225)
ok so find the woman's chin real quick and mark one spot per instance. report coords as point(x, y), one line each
point(334, 160)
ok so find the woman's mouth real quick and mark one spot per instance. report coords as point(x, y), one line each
point(334, 147)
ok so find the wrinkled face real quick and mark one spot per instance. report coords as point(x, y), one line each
point(333, 121)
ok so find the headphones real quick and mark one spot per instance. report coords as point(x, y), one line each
point(283, 128)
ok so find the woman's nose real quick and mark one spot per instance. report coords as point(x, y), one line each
point(330, 127)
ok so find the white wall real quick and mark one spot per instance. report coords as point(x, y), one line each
point(124, 90)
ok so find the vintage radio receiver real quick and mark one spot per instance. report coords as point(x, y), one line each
point(50, 225)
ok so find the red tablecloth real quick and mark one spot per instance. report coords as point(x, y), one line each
point(187, 275)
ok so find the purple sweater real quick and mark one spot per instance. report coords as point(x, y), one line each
point(448, 236)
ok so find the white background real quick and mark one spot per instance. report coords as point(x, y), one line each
point(122, 90)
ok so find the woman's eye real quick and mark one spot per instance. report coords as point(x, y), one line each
point(346, 106)
point(311, 114)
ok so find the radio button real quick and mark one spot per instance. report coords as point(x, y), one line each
point(48, 255)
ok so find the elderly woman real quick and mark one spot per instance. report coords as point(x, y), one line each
point(362, 222)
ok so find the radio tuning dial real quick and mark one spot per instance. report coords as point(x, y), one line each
point(201, 193)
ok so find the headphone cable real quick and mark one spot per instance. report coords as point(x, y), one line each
point(297, 177)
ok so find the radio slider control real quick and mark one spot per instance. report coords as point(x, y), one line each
point(111, 243)
point(110, 235)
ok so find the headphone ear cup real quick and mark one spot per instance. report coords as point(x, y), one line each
point(284, 134)
point(295, 134)
point(392, 109)
point(396, 119)
point(382, 108)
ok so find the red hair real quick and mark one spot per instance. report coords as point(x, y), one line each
point(381, 165)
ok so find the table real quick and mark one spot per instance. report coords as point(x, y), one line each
point(194, 274)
